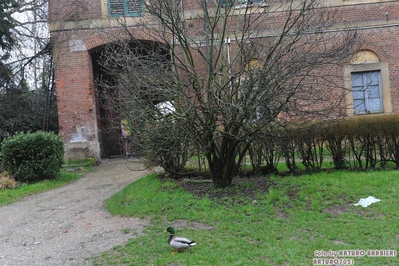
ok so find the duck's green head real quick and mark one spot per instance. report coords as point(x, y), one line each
point(171, 230)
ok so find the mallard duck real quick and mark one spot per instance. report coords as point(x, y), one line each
point(178, 242)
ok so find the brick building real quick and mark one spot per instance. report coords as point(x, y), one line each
point(80, 28)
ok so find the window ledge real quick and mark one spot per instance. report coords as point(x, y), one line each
point(243, 6)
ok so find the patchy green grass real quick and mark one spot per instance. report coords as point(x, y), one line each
point(283, 225)
point(9, 196)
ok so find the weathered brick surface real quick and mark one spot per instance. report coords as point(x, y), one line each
point(74, 10)
point(75, 95)
point(74, 75)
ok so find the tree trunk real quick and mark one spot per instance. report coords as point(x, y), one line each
point(224, 159)
point(222, 172)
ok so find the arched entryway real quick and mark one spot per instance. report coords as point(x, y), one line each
point(109, 117)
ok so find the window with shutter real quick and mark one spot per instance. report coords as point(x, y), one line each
point(366, 91)
point(127, 8)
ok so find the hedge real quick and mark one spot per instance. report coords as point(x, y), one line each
point(31, 157)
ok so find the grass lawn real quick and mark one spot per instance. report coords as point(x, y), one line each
point(284, 223)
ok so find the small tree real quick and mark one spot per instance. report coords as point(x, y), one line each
point(234, 73)
point(7, 23)
point(27, 92)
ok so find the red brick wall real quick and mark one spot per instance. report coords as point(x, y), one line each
point(369, 12)
point(74, 9)
point(74, 77)
point(75, 93)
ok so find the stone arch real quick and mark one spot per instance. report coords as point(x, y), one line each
point(99, 39)
point(365, 57)
point(379, 50)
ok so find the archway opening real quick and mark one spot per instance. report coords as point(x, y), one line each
point(110, 112)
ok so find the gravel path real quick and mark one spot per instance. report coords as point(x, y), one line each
point(66, 226)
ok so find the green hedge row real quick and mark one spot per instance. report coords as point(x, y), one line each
point(364, 142)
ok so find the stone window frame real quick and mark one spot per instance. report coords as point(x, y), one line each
point(384, 84)
point(243, 3)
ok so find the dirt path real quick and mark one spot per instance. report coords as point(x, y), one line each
point(67, 225)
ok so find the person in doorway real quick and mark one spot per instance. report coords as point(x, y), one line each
point(126, 137)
